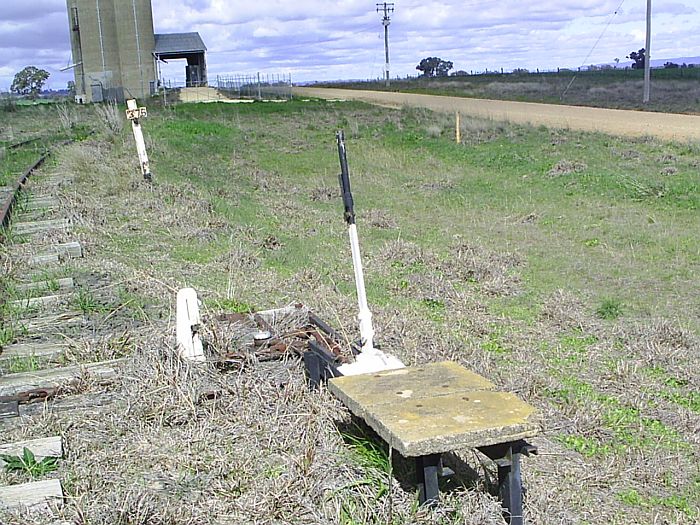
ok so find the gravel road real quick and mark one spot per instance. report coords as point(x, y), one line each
point(666, 126)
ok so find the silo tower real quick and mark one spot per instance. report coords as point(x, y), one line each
point(113, 44)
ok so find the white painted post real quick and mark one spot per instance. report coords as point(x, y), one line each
point(134, 113)
point(189, 344)
point(458, 129)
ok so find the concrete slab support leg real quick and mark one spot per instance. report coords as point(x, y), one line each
point(427, 469)
point(510, 487)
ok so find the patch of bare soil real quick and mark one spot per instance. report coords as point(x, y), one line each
point(566, 167)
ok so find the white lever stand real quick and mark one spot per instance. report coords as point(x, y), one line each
point(189, 344)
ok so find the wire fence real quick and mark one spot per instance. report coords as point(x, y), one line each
point(258, 87)
point(670, 71)
point(229, 88)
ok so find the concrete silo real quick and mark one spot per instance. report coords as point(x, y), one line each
point(113, 45)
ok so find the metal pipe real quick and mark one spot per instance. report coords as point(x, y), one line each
point(138, 45)
point(102, 46)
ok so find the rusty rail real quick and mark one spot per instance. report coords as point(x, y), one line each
point(22, 143)
point(7, 206)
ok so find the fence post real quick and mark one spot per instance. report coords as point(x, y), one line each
point(458, 129)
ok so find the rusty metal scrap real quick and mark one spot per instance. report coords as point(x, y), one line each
point(36, 395)
point(293, 342)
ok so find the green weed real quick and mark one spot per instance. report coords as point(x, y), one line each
point(233, 305)
point(436, 309)
point(586, 446)
point(610, 309)
point(28, 464)
point(86, 301)
point(684, 503)
point(626, 424)
point(52, 285)
point(689, 400)
point(8, 334)
point(23, 364)
point(494, 345)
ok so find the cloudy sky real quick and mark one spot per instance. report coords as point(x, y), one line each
point(326, 39)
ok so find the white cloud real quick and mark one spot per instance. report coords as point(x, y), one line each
point(320, 39)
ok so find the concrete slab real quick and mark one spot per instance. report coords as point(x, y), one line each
point(42, 301)
point(69, 249)
point(432, 425)
point(48, 259)
point(34, 215)
point(28, 228)
point(41, 448)
point(38, 350)
point(407, 383)
point(35, 495)
point(38, 203)
point(51, 324)
point(436, 408)
point(13, 384)
point(60, 284)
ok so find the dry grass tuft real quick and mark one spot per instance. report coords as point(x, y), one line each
point(66, 116)
point(110, 117)
point(566, 167)
point(565, 311)
point(379, 219)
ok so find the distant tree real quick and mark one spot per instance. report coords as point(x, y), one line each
point(29, 81)
point(434, 67)
point(639, 58)
point(460, 73)
point(427, 66)
point(71, 88)
point(671, 65)
point(617, 62)
point(443, 68)
point(520, 71)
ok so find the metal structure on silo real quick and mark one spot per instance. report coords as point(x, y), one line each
point(115, 53)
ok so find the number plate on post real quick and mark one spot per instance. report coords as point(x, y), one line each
point(134, 114)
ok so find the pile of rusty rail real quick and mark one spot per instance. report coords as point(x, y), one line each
point(259, 339)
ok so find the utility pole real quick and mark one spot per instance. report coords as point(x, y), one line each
point(647, 56)
point(387, 9)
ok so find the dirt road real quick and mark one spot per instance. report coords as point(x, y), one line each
point(612, 121)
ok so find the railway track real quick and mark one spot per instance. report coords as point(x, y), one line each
point(22, 143)
point(41, 319)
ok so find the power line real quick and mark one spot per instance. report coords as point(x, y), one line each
point(594, 46)
point(387, 8)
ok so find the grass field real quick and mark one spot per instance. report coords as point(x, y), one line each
point(41, 122)
point(561, 265)
point(673, 90)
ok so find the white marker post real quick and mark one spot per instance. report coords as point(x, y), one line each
point(189, 344)
point(134, 113)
